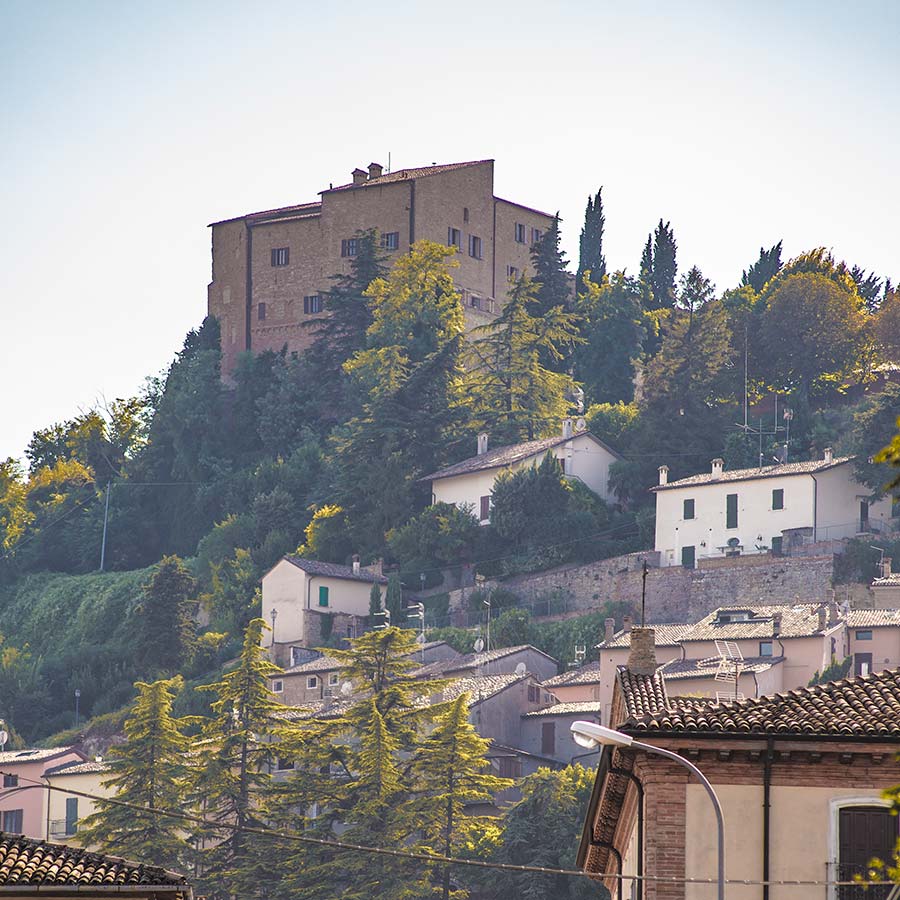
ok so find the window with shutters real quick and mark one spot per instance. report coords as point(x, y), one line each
point(261, 312)
point(778, 498)
point(485, 510)
point(312, 304)
point(688, 512)
point(280, 256)
point(349, 246)
point(520, 233)
point(548, 738)
point(536, 235)
point(454, 238)
point(465, 214)
point(864, 833)
point(390, 240)
point(765, 648)
point(71, 815)
point(312, 682)
point(534, 693)
point(474, 246)
point(512, 273)
point(323, 595)
point(864, 635)
point(278, 686)
point(731, 511)
point(12, 821)
point(10, 780)
point(510, 767)
point(688, 557)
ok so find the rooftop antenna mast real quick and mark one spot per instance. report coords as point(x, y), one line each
point(644, 570)
point(731, 664)
point(760, 431)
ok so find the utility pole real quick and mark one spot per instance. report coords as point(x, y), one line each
point(105, 524)
point(644, 570)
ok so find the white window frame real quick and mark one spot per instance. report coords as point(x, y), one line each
point(835, 805)
point(312, 681)
point(278, 686)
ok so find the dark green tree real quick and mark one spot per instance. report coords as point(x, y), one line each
point(764, 269)
point(148, 770)
point(590, 245)
point(695, 290)
point(551, 278)
point(374, 601)
point(393, 599)
point(873, 426)
point(166, 616)
point(662, 266)
point(869, 286)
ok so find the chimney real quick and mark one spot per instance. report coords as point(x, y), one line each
point(610, 626)
point(356, 564)
point(822, 613)
point(776, 624)
point(886, 567)
point(567, 428)
point(833, 614)
point(663, 474)
point(375, 170)
point(717, 465)
point(359, 176)
point(482, 443)
point(829, 456)
point(626, 624)
point(642, 658)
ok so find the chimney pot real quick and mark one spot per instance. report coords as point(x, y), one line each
point(642, 658)
point(626, 624)
point(822, 613)
point(833, 614)
point(663, 474)
point(718, 464)
point(829, 455)
point(359, 176)
point(567, 428)
point(776, 624)
point(610, 629)
point(375, 170)
point(356, 564)
point(482, 443)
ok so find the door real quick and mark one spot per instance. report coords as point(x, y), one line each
point(688, 557)
point(862, 663)
point(548, 738)
point(864, 833)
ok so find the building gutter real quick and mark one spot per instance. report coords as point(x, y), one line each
point(494, 254)
point(767, 806)
point(412, 212)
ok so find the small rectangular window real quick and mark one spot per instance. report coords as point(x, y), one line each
point(280, 256)
point(536, 235)
point(548, 738)
point(534, 693)
point(10, 780)
point(454, 238)
point(474, 246)
point(688, 509)
point(71, 815)
point(474, 302)
point(12, 821)
point(778, 498)
point(465, 214)
point(261, 312)
point(349, 246)
point(390, 241)
point(731, 511)
point(765, 648)
point(323, 595)
point(520, 233)
point(512, 273)
point(312, 304)
point(277, 687)
point(864, 635)
point(485, 510)
point(312, 682)
point(333, 678)
point(283, 765)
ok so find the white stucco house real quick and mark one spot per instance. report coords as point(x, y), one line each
point(729, 513)
point(470, 483)
point(297, 594)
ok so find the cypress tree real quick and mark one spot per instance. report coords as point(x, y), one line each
point(590, 245)
point(167, 623)
point(665, 266)
point(148, 770)
point(550, 276)
point(765, 268)
point(374, 600)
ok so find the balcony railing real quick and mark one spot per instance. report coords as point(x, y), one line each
point(843, 872)
point(62, 828)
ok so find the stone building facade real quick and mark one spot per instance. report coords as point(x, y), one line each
point(271, 268)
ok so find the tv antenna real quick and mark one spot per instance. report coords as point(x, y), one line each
point(731, 664)
point(761, 431)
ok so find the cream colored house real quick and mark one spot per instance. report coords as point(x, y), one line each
point(729, 513)
point(886, 588)
point(470, 483)
point(800, 777)
point(298, 594)
point(67, 810)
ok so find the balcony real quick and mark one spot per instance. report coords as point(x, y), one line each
point(62, 828)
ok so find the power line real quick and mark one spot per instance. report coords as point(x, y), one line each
point(433, 857)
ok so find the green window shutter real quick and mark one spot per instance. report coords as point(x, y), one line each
point(688, 509)
point(71, 815)
point(778, 498)
point(688, 557)
point(323, 595)
point(731, 511)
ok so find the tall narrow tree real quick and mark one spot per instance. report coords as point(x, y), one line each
point(664, 266)
point(590, 245)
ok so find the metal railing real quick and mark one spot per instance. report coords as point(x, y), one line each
point(62, 828)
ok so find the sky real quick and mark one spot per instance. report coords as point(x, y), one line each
point(128, 127)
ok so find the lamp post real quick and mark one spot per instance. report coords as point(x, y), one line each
point(274, 616)
point(77, 699)
point(588, 734)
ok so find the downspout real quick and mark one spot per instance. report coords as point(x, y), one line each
point(618, 857)
point(248, 290)
point(412, 212)
point(639, 891)
point(309, 579)
point(815, 507)
point(767, 805)
point(494, 254)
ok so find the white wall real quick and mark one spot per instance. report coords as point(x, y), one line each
point(838, 501)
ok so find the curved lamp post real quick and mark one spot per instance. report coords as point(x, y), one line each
point(589, 734)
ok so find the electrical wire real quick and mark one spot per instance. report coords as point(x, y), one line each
point(432, 857)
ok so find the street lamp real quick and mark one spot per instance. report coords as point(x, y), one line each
point(589, 734)
point(274, 615)
point(77, 699)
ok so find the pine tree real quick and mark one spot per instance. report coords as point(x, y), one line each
point(551, 279)
point(512, 392)
point(590, 246)
point(664, 266)
point(450, 772)
point(166, 616)
point(149, 771)
point(765, 268)
point(229, 772)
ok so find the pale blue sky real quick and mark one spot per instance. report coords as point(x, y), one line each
point(127, 127)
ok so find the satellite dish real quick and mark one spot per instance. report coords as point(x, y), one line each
point(521, 669)
point(420, 638)
point(347, 688)
point(479, 645)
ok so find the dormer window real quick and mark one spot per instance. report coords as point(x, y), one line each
point(734, 615)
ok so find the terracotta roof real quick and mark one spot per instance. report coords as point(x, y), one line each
point(643, 694)
point(409, 174)
point(584, 707)
point(666, 636)
point(333, 570)
point(283, 212)
point(892, 580)
point(333, 708)
point(797, 620)
point(589, 673)
point(35, 754)
point(506, 456)
point(867, 706)
point(873, 618)
point(319, 664)
point(480, 687)
point(677, 669)
point(778, 470)
point(24, 861)
point(472, 661)
point(79, 768)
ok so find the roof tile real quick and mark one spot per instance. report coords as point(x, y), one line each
point(795, 468)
